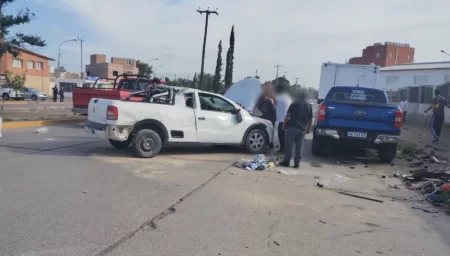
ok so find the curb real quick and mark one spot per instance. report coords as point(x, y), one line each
point(35, 102)
point(25, 124)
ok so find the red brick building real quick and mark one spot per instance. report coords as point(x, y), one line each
point(384, 55)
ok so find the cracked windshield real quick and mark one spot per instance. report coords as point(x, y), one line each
point(224, 127)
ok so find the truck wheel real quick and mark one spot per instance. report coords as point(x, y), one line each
point(256, 141)
point(316, 148)
point(146, 143)
point(120, 144)
point(5, 96)
point(387, 152)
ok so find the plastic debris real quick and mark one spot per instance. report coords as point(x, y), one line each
point(289, 172)
point(393, 186)
point(320, 185)
point(42, 130)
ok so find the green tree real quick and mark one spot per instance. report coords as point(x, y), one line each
point(11, 43)
point(144, 68)
point(229, 62)
point(194, 81)
point(217, 85)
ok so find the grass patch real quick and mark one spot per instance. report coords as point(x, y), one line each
point(408, 148)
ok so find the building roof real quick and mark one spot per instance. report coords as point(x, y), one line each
point(34, 53)
point(418, 66)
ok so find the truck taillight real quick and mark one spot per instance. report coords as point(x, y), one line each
point(398, 119)
point(322, 112)
point(112, 113)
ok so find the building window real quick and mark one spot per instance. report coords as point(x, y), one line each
point(129, 62)
point(421, 80)
point(377, 55)
point(390, 55)
point(115, 73)
point(67, 87)
point(39, 65)
point(17, 63)
point(30, 64)
point(447, 78)
point(391, 80)
point(409, 56)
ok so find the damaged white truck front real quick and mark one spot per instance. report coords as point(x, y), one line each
point(176, 115)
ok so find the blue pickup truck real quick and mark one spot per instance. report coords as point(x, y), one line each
point(358, 117)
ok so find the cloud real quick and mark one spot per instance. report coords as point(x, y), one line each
point(299, 35)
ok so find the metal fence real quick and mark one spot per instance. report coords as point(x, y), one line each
point(419, 94)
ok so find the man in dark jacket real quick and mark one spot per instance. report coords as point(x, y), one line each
point(297, 124)
point(55, 93)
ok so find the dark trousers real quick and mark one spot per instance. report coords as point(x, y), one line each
point(436, 125)
point(293, 137)
point(281, 135)
point(55, 97)
point(61, 98)
point(404, 116)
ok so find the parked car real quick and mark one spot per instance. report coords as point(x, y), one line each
point(176, 115)
point(8, 93)
point(122, 86)
point(358, 117)
point(34, 94)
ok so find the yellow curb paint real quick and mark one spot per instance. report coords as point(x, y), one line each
point(25, 124)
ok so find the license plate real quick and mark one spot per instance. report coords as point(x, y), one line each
point(357, 134)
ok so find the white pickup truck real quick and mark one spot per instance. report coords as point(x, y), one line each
point(176, 115)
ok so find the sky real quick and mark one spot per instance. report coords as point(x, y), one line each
point(299, 35)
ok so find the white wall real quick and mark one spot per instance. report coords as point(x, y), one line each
point(406, 78)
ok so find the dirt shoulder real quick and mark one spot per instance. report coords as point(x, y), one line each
point(36, 114)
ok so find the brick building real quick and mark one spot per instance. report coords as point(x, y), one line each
point(385, 55)
point(118, 66)
point(33, 65)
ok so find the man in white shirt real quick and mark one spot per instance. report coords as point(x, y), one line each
point(283, 102)
point(404, 107)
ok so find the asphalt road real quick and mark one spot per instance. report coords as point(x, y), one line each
point(64, 193)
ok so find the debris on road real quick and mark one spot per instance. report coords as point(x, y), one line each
point(258, 163)
point(393, 186)
point(424, 208)
point(321, 221)
point(361, 197)
point(85, 192)
point(315, 164)
point(289, 172)
point(320, 185)
point(317, 177)
point(42, 130)
point(383, 176)
point(275, 242)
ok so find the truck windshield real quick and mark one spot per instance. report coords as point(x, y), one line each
point(356, 94)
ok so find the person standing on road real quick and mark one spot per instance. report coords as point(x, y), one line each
point(404, 107)
point(283, 102)
point(61, 95)
point(297, 124)
point(438, 105)
point(55, 93)
point(266, 103)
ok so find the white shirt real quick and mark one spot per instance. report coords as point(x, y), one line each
point(403, 105)
point(283, 103)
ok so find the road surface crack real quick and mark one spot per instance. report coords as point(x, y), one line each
point(151, 222)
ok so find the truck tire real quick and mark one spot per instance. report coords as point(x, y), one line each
point(120, 144)
point(316, 148)
point(5, 96)
point(146, 143)
point(387, 152)
point(256, 141)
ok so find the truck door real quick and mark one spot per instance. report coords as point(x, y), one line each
point(216, 121)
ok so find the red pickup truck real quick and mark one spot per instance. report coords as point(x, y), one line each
point(121, 87)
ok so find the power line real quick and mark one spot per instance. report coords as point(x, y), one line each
point(207, 12)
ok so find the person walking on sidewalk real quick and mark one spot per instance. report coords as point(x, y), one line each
point(438, 105)
point(404, 107)
point(297, 123)
point(55, 93)
point(61, 96)
point(283, 102)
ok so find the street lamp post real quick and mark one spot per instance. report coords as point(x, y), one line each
point(443, 51)
point(59, 53)
point(148, 62)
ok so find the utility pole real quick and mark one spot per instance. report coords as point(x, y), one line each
point(256, 73)
point(208, 12)
point(81, 44)
point(276, 78)
point(296, 80)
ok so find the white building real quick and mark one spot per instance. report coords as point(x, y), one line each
point(414, 74)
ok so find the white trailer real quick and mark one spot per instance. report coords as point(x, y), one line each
point(335, 74)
